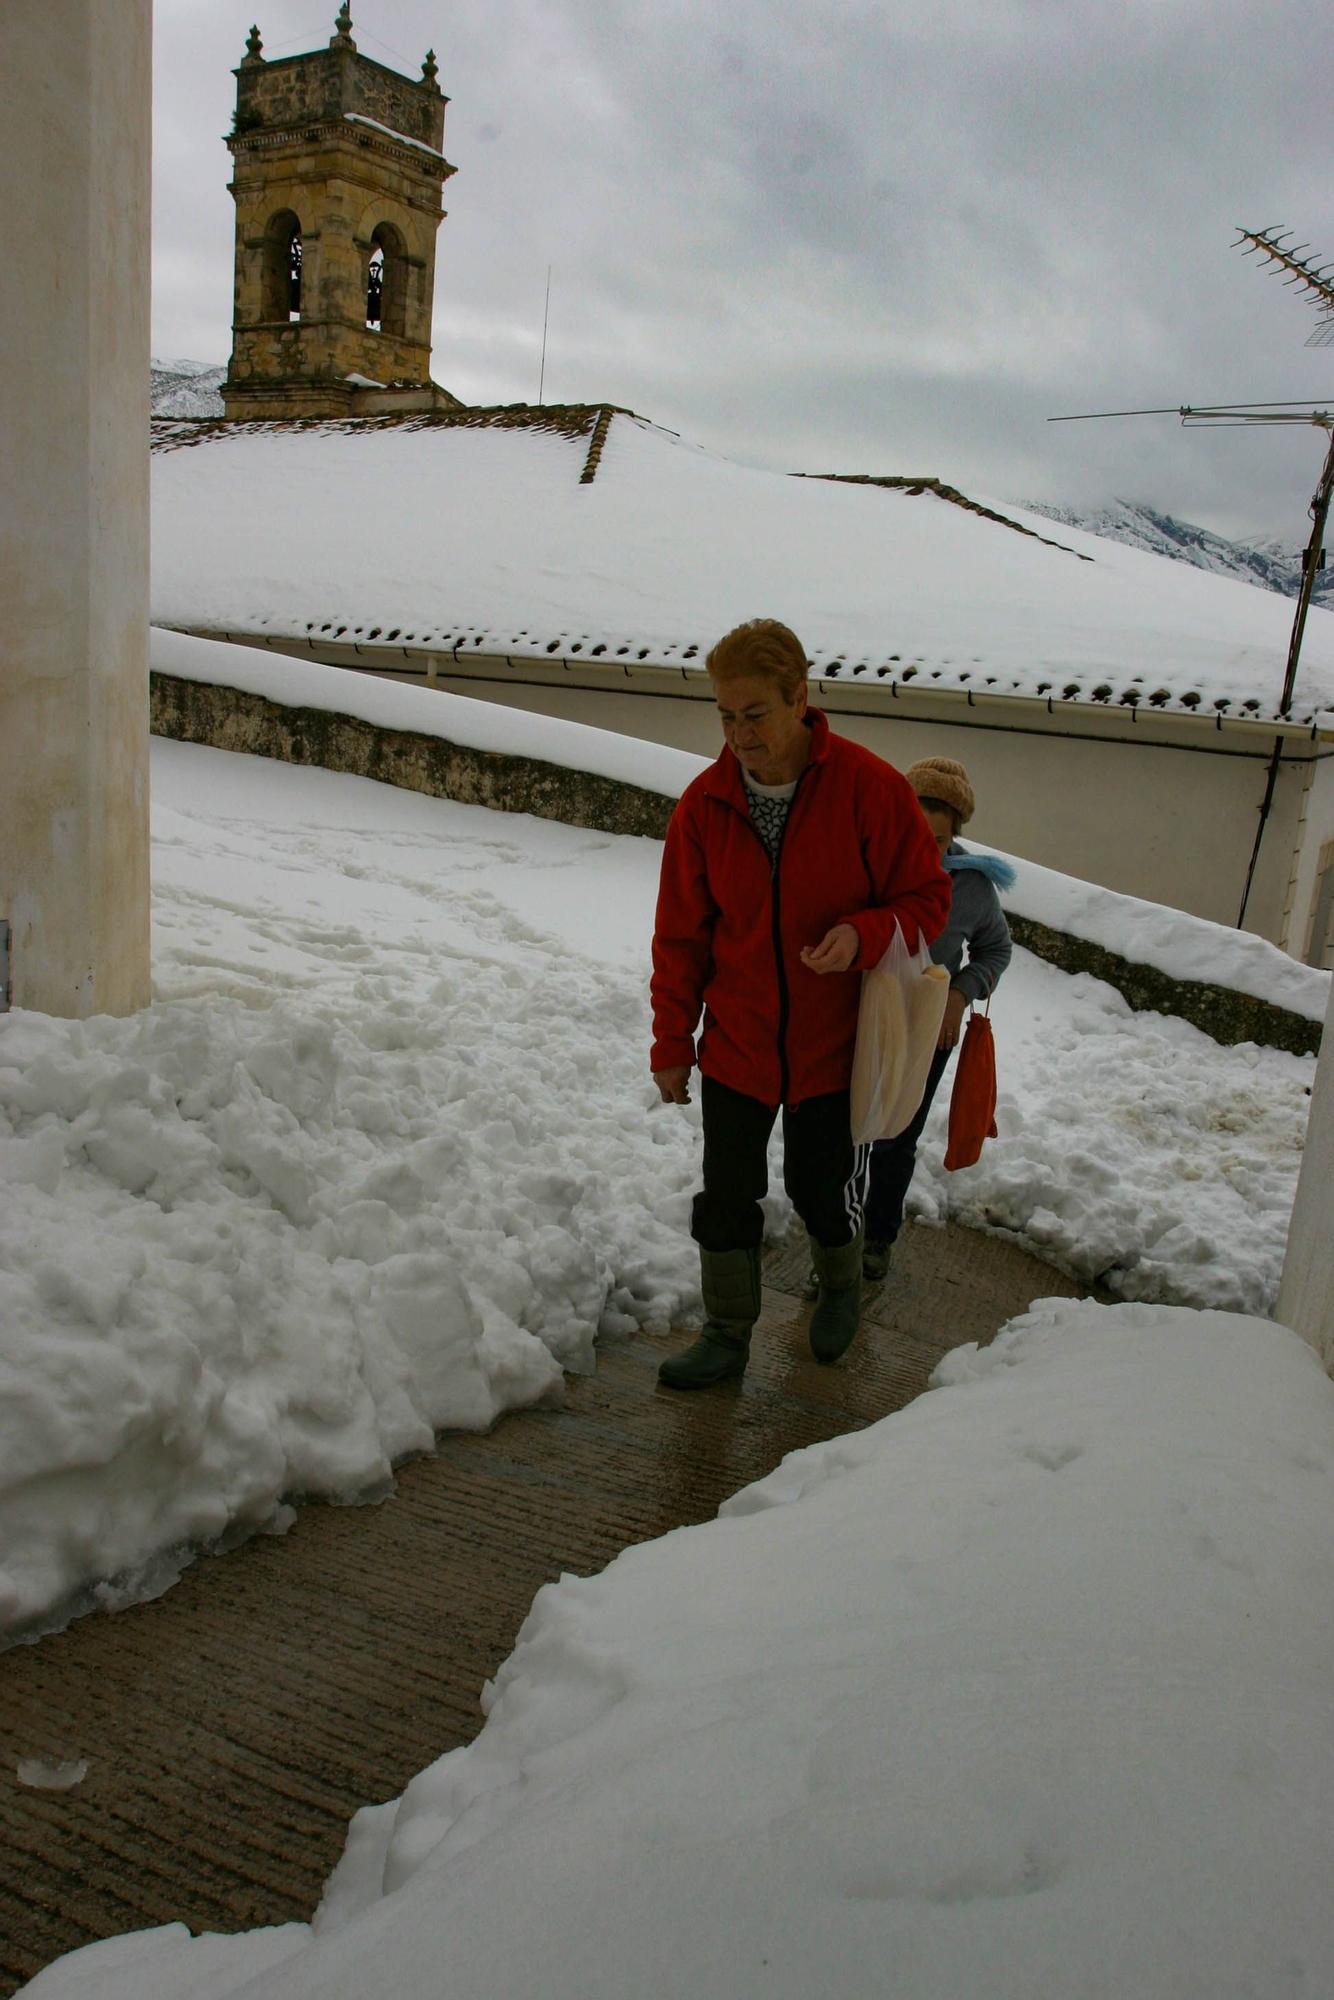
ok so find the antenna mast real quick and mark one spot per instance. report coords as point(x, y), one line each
point(542, 375)
point(1316, 283)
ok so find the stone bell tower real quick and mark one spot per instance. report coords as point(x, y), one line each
point(337, 180)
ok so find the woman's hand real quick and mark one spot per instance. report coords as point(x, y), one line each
point(835, 952)
point(673, 1085)
point(956, 1006)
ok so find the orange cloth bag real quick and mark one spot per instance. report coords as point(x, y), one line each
point(973, 1098)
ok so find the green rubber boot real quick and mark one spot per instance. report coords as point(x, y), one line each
point(731, 1284)
point(838, 1310)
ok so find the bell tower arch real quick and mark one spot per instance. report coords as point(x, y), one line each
point(338, 172)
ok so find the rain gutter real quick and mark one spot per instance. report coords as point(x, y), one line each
point(877, 697)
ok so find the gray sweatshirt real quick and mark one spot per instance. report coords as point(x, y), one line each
point(976, 920)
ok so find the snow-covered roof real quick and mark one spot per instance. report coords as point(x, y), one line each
point(588, 533)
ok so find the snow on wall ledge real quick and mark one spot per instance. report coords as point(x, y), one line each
point(1022, 1691)
point(473, 725)
point(1235, 986)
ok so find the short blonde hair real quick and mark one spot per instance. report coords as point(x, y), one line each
point(764, 648)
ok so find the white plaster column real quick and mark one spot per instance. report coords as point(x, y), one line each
point(74, 331)
point(1306, 1295)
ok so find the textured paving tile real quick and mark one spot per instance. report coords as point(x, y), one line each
point(233, 1726)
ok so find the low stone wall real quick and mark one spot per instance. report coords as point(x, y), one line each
point(228, 719)
point(1228, 1016)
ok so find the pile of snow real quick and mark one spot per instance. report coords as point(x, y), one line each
point(494, 545)
point(384, 1158)
point(1023, 1691)
point(381, 1160)
point(1132, 1149)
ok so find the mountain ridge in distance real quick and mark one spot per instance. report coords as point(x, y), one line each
point(1270, 564)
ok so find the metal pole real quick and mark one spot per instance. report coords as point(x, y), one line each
point(541, 380)
point(1319, 514)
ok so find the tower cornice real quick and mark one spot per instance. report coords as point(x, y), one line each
point(358, 135)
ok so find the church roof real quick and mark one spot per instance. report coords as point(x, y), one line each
point(583, 533)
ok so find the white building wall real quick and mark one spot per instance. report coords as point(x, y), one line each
point(74, 182)
point(1306, 1295)
point(1311, 936)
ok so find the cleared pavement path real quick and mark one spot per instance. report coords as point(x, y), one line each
point(234, 1726)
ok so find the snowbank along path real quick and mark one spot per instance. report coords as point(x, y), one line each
point(384, 1159)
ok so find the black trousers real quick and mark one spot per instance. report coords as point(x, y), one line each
point(823, 1172)
point(893, 1160)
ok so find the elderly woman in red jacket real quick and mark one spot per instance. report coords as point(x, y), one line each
point(786, 866)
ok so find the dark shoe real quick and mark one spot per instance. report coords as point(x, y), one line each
point(715, 1357)
point(837, 1315)
point(877, 1253)
point(730, 1280)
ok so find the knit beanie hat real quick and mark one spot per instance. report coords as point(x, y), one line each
point(944, 779)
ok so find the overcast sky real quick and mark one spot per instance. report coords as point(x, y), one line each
point(834, 237)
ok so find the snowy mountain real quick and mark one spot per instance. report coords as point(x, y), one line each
point(1270, 564)
point(185, 388)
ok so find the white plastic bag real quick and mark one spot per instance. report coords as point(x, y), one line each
point(898, 1027)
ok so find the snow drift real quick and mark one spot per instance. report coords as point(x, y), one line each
point(1024, 1690)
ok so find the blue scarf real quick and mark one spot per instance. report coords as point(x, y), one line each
point(998, 872)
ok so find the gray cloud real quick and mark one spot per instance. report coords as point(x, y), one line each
point(839, 236)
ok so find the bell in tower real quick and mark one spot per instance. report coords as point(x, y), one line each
point(337, 179)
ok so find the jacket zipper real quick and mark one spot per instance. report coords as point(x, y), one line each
point(784, 1002)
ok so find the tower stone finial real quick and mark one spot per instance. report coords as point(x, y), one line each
point(430, 68)
point(343, 38)
point(253, 46)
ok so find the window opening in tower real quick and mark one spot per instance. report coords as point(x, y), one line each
point(294, 276)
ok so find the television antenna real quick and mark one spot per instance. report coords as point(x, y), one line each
point(1316, 284)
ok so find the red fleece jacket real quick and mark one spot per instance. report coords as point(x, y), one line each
point(730, 929)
